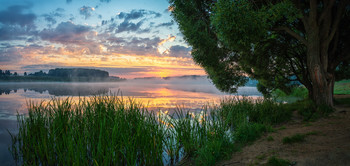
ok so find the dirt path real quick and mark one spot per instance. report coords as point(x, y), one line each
point(329, 146)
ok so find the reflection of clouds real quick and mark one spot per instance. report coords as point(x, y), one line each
point(56, 89)
point(5, 140)
point(154, 93)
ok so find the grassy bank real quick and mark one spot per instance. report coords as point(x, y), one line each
point(301, 93)
point(107, 130)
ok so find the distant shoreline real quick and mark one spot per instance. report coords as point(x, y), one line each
point(59, 79)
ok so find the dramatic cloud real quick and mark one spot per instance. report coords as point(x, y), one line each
point(41, 66)
point(9, 54)
point(51, 17)
point(66, 32)
point(137, 14)
point(166, 24)
point(135, 46)
point(69, 1)
point(127, 26)
point(179, 51)
point(135, 42)
point(86, 11)
point(15, 32)
point(14, 15)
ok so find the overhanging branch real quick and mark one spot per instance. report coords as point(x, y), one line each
point(338, 17)
point(292, 33)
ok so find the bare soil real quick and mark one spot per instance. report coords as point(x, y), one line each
point(328, 146)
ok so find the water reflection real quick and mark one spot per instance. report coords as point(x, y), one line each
point(56, 89)
point(155, 94)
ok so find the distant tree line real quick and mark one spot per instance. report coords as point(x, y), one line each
point(7, 73)
point(60, 74)
point(77, 72)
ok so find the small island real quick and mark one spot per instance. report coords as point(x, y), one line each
point(60, 75)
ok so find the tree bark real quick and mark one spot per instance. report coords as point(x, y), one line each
point(322, 81)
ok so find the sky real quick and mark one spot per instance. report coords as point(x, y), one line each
point(136, 38)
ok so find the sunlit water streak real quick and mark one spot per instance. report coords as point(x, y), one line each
point(156, 95)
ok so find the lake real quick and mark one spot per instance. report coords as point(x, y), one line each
point(157, 94)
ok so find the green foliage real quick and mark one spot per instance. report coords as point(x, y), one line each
point(265, 40)
point(237, 111)
point(342, 101)
point(107, 130)
point(342, 87)
point(228, 35)
point(343, 71)
point(297, 138)
point(204, 138)
point(299, 92)
point(309, 110)
point(294, 139)
point(249, 132)
point(250, 119)
point(274, 161)
point(270, 138)
point(101, 130)
point(207, 50)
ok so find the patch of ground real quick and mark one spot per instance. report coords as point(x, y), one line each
point(328, 145)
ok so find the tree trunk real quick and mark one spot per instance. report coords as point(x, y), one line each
point(322, 81)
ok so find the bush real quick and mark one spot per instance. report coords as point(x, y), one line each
point(274, 161)
point(248, 132)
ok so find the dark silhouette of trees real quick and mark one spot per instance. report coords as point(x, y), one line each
point(276, 42)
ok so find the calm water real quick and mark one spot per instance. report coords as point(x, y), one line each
point(157, 94)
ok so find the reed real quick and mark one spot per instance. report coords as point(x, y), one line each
point(101, 130)
point(108, 130)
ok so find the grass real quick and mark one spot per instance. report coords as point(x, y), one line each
point(342, 101)
point(102, 130)
point(296, 138)
point(270, 138)
point(309, 110)
point(301, 93)
point(107, 130)
point(342, 87)
point(274, 161)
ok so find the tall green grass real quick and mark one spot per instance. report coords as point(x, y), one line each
point(107, 130)
point(251, 118)
point(103, 130)
point(203, 137)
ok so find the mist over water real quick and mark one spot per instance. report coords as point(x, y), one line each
point(156, 93)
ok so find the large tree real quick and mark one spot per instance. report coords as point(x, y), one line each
point(277, 42)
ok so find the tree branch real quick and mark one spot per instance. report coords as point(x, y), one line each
point(292, 33)
point(313, 10)
point(328, 6)
point(338, 17)
point(342, 57)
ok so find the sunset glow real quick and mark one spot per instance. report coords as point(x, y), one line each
point(127, 39)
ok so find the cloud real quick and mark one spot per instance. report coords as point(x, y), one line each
point(86, 11)
point(137, 14)
point(133, 46)
point(9, 54)
point(37, 67)
point(14, 15)
point(66, 32)
point(69, 1)
point(14, 32)
point(166, 24)
point(51, 17)
point(127, 26)
point(179, 51)
point(169, 39)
